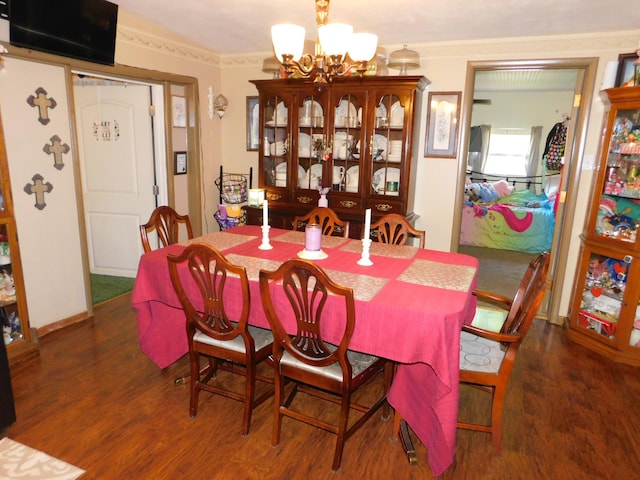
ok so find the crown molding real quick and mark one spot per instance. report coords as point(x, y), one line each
point(140, 38)
point(623, 41)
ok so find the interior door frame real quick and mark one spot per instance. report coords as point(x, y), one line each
point(574, 152)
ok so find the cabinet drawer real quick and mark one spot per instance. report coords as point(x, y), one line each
point(347, 203)
point(384, 206)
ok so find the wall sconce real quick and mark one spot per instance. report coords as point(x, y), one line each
point(220, 105)
point(210, 96)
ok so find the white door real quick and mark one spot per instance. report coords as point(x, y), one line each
point(117, 170)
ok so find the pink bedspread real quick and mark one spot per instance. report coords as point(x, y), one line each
point(410, 307)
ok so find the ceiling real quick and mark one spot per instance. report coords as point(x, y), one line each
point(243, 26)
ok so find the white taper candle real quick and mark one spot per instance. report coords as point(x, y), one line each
point(367, 223)
point(265, 213)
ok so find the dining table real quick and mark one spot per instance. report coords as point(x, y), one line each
point(411, 304)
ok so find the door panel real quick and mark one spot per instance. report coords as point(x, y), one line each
point(116, 158)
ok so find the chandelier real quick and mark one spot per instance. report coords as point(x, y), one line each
point(333, 43)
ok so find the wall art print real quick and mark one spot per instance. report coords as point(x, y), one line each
point(106, 130)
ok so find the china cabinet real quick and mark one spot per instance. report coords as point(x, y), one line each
point(19, 340)
point(605, 313)
point(351, 140)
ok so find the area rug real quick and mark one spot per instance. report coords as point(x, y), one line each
point(106, 287)
point(19, 461)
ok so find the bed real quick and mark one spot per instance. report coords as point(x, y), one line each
point(522, 221)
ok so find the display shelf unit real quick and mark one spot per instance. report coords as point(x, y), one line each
point(605, 308)
point(354, 137)
point(19, 338)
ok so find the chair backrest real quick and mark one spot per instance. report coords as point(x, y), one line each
point(528, 298)
point(308, 289)
point(200, 287)
point(327, 219)
point(166, 223)
point(395, 229)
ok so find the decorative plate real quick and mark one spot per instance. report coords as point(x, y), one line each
point(397, 115)
point(390, 174)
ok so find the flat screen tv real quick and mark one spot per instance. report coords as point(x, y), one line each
point(82, 29)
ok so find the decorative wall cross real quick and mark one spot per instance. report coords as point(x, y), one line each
point(41, 101)
point(57, 149)
point(38, 188)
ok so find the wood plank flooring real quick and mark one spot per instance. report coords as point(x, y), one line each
point(94, 400)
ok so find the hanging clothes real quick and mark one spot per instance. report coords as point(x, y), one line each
point(554, 147)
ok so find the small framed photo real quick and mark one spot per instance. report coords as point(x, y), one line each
point(179, 163)
point(628, 72)
point(179, 111)
point(253, 131)
point(443, 118)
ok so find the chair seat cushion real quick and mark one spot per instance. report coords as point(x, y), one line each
point(490, 319)
point(359, 363)
point(261, 338)
point(479, 354)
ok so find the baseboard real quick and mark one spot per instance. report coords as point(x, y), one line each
point(65, 323)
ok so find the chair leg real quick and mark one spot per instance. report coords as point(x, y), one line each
point(343, 423)
point(194, 389)
point(389, 372)
point(496, 419)
point(249, 395)
point(278, 396)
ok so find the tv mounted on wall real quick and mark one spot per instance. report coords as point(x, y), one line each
point(82, 29)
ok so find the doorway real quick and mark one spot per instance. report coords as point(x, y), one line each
point(582, 75)
point(121, 157)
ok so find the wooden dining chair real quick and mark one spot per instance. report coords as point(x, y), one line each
point(305, 359)
point(227, 344)
point(327, 219)
point(487, 357)
point(395, 229)
point(166, 222)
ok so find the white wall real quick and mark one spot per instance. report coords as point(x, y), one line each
point(49, 237)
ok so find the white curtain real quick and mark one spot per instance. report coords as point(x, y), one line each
point(534, 152)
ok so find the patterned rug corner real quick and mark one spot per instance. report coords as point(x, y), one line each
point(19, 461)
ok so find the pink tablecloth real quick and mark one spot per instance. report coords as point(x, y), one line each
point(410, 307)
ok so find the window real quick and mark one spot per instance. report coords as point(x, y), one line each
point(508, 152)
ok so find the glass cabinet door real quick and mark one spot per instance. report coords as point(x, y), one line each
point(602, 295)
point(347, 142)
point(312, 144)
point(619, 206)
point(12, 325)
point(276, 142)
point(387, 146)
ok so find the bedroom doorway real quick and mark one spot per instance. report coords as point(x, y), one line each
point(502, 95)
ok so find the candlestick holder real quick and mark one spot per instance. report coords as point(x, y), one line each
point(365, 260)
point(265, 245)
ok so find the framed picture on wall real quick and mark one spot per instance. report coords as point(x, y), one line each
point(179, 163)
point(253, 114)
point(628, 72)
point(443, 118)
point(179, 111)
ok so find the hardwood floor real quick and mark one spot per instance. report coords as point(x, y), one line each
point(94, 400)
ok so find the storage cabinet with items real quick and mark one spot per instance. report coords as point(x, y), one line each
point(350, 141)
point(18, 338)
point(605, 313)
